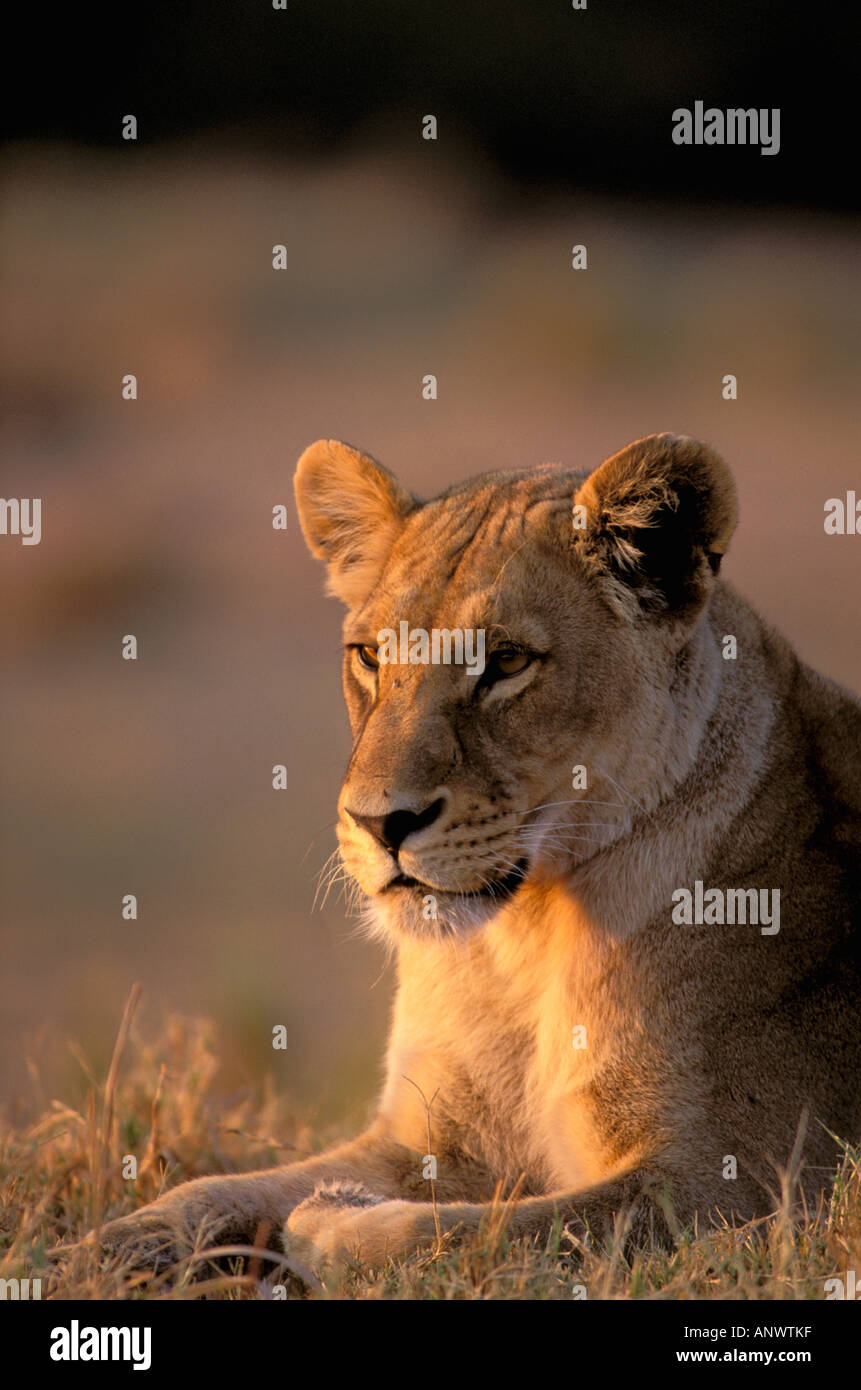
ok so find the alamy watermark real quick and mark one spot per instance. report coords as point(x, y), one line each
point(846, 1288)
point(843, 518)
point(21, 516)
point(418, 647)
point(20, 1289)
point(735, 126)
point(77, 1343)
point(718, 907)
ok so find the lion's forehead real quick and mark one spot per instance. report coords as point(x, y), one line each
point(500, 511)
point(462, 560)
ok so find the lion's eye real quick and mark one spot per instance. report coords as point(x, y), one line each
point(368, 657)
point(507, 663)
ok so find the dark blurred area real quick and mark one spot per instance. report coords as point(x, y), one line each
point(547, 95)
point(405, 257)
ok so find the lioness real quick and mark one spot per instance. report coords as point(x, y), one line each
point(525, 836)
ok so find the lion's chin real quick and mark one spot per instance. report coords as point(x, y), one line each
point(413, 908)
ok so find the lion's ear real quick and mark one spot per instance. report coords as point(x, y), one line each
point(658, 517)
point(350, 511)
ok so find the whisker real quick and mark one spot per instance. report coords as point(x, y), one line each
point(326, 877)
point(630, 795)
point(576, 801)
point(572, 824)
point(317, 834)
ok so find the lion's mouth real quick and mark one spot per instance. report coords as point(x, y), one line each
point(496, 891)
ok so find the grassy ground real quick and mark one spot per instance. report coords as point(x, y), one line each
point(63, 1172)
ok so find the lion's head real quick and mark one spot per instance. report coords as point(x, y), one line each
point(472, 779)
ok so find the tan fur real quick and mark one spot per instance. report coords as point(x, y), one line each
point(702, 1041)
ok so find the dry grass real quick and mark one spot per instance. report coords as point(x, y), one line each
point(63, 1174)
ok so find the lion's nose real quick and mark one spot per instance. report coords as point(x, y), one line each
point(390, 831)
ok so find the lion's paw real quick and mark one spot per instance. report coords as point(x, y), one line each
point(344, 1222)
point(161, 1235)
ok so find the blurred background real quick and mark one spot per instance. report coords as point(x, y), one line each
point(404, 257)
